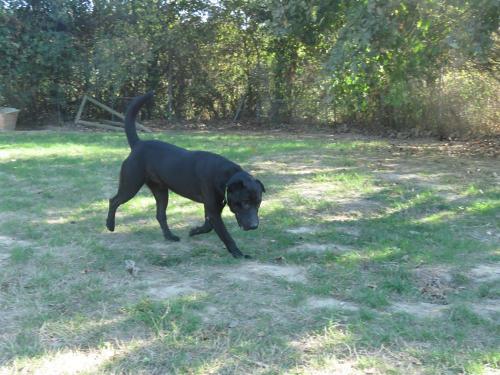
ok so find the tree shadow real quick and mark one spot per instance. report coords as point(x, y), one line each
point(401, 230)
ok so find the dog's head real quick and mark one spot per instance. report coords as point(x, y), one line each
point(244, 195)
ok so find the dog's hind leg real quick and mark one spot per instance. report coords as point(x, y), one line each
point(161, 196)
point(205, 228)
point(130, 183)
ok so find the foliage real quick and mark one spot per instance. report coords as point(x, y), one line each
point(385, 63)
point(40, 53)
point(387, 51)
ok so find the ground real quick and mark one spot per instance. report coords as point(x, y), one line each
point(372, 256)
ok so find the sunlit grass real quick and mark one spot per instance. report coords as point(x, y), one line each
point(340, 229)
point(437, 217)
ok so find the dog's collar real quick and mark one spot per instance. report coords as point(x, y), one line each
point(225, 196)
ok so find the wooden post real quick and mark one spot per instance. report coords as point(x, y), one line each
point(240, 107)
point(80, 110)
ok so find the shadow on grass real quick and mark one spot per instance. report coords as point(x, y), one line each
point(406, 229)
point(403, 236)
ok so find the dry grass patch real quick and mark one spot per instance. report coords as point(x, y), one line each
point(342, 220)
point(421, 310)
point(330, 303)
point(303, 230)
point(318, 248)
point(488, 309)
point(251, 270)
point(485, 272)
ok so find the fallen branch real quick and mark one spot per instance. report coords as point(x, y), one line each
point(115, 123)
point(98, 125)
point(106, 108)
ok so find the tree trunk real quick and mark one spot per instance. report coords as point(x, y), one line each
point(283, 75)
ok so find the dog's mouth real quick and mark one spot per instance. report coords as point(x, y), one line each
point(247, 225)
point(250, 227)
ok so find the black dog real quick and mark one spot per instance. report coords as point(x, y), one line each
point(201, 176)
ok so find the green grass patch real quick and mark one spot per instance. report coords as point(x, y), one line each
point(363, 258)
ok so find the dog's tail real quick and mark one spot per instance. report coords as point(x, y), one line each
point(132, 111)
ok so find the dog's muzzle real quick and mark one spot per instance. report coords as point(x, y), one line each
point(248, 224)
point(251, 227)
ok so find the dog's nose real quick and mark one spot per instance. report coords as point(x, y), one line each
point(253, 225)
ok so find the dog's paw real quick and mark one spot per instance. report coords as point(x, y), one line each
point(199, 230)
point(240, 255)
point(110, 226)
point(172, 237)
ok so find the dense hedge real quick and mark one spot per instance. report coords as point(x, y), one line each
point(407, 64)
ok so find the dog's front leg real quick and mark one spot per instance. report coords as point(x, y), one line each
point(217, 223)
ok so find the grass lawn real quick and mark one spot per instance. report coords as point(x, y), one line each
point(370, 258)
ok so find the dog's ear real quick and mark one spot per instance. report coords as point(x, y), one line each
point(235, 185)
point(261, 185)
point(230, 185)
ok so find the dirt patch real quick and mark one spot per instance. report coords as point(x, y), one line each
point(489, 308)
point(73, 362)
point(8, 242)
point(321, 248)
point(4, 257)
point(161, 283)
point(485, 273)
point(303, 230)
point(351, 231)
point(486, 235)
point(435, 282)
point(350, 204)
point(210, 314)
point(312, 191)
point(420, 310)
point(287, 168)
point(252, 271)
point(336, 366)
point(431, 182)
point(480, 147)
point(353, 208)
point(330, 303)
point(169, 291)
point(12, 215)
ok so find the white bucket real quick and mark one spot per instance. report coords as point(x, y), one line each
point(8, 118)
